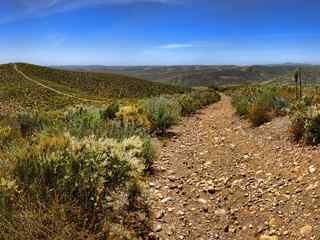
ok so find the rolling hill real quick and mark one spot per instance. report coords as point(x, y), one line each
point(216, 75)
point(32, 86)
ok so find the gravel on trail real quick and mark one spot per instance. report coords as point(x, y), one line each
point(218, 178)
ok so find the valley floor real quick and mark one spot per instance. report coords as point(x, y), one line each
point(220, 179)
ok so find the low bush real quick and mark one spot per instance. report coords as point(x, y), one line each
point(31, 122)
point(40, 221)
point(8, 194)
point(312, 128)
point(117, 130)
point(297, 115)
point(83, 121)
point(84, 170)
point(7, 136)
point(305, 123)
point(205, 97)
point(259, 105)
point(241, 104)
point(110, 112)
point(258, 114)
point(150, 152)
point(162, 112)
point(188, 104)
point(133, 116)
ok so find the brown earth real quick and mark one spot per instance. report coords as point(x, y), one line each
point(218, 178)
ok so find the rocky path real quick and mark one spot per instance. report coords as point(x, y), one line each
point(220, 179)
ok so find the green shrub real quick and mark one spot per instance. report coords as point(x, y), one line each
point(8, 194)
point(162, 112)
point(311, 119)
point(204, 98)
point(259, 114)
point(7, 136)
point(31, 122)
point(149, 152)
point(110, 112)
point(241, 104)
point(297, 120)
point(116, 130)
point(83, 121)
point(84, 170)
point(133, 116)
point(259, 105)
point(296, 127)
point(305, 123)
point(187, 103)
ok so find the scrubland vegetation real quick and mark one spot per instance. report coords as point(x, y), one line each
point(17, 94)
point(260, 104)
point(305, 121)
point(78, 171)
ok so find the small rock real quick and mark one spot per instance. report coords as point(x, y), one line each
point(306, 230)
point(267, 237)
point(152, 235)
point(158, 228)
point(312, 169)
point(165, 200)
point(203, 201)
point(220, 212)
point(160, 214)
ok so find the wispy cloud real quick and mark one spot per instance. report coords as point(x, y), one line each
point(55, 39)
point(183, 45)
point(177, 46)
point(17, 9)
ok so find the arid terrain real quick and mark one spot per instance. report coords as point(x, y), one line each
point(218, 178)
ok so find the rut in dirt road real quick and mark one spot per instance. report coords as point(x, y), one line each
point(53, 89)
point(218, 178)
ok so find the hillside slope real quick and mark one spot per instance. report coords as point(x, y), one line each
point(17, 92)
point(215, 75)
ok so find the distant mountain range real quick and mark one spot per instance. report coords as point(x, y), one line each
point(211, 75)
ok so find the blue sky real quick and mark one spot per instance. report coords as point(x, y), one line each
point(159, 32)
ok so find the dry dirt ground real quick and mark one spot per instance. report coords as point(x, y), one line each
point(218, 178)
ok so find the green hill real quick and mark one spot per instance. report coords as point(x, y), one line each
point(19, 92)
point(215, 75)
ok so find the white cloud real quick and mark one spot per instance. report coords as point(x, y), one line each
point(36, 8)
point(55, 39)
point(177, 46)
point(187, 45)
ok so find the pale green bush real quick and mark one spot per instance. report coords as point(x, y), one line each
point(305, 122)
point(162, 112)
point(8, 193)
point(7, 136)
point(188, 104)
point(133, 116)
point(205, 97)
point(83, 121)
point(84, 170)
point(259, 104)
point(150, 152)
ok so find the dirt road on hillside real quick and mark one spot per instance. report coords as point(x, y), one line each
point(53, 89)
point(220, 179)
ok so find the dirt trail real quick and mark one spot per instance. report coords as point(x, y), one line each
point(220, 179)
point(53, 89)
